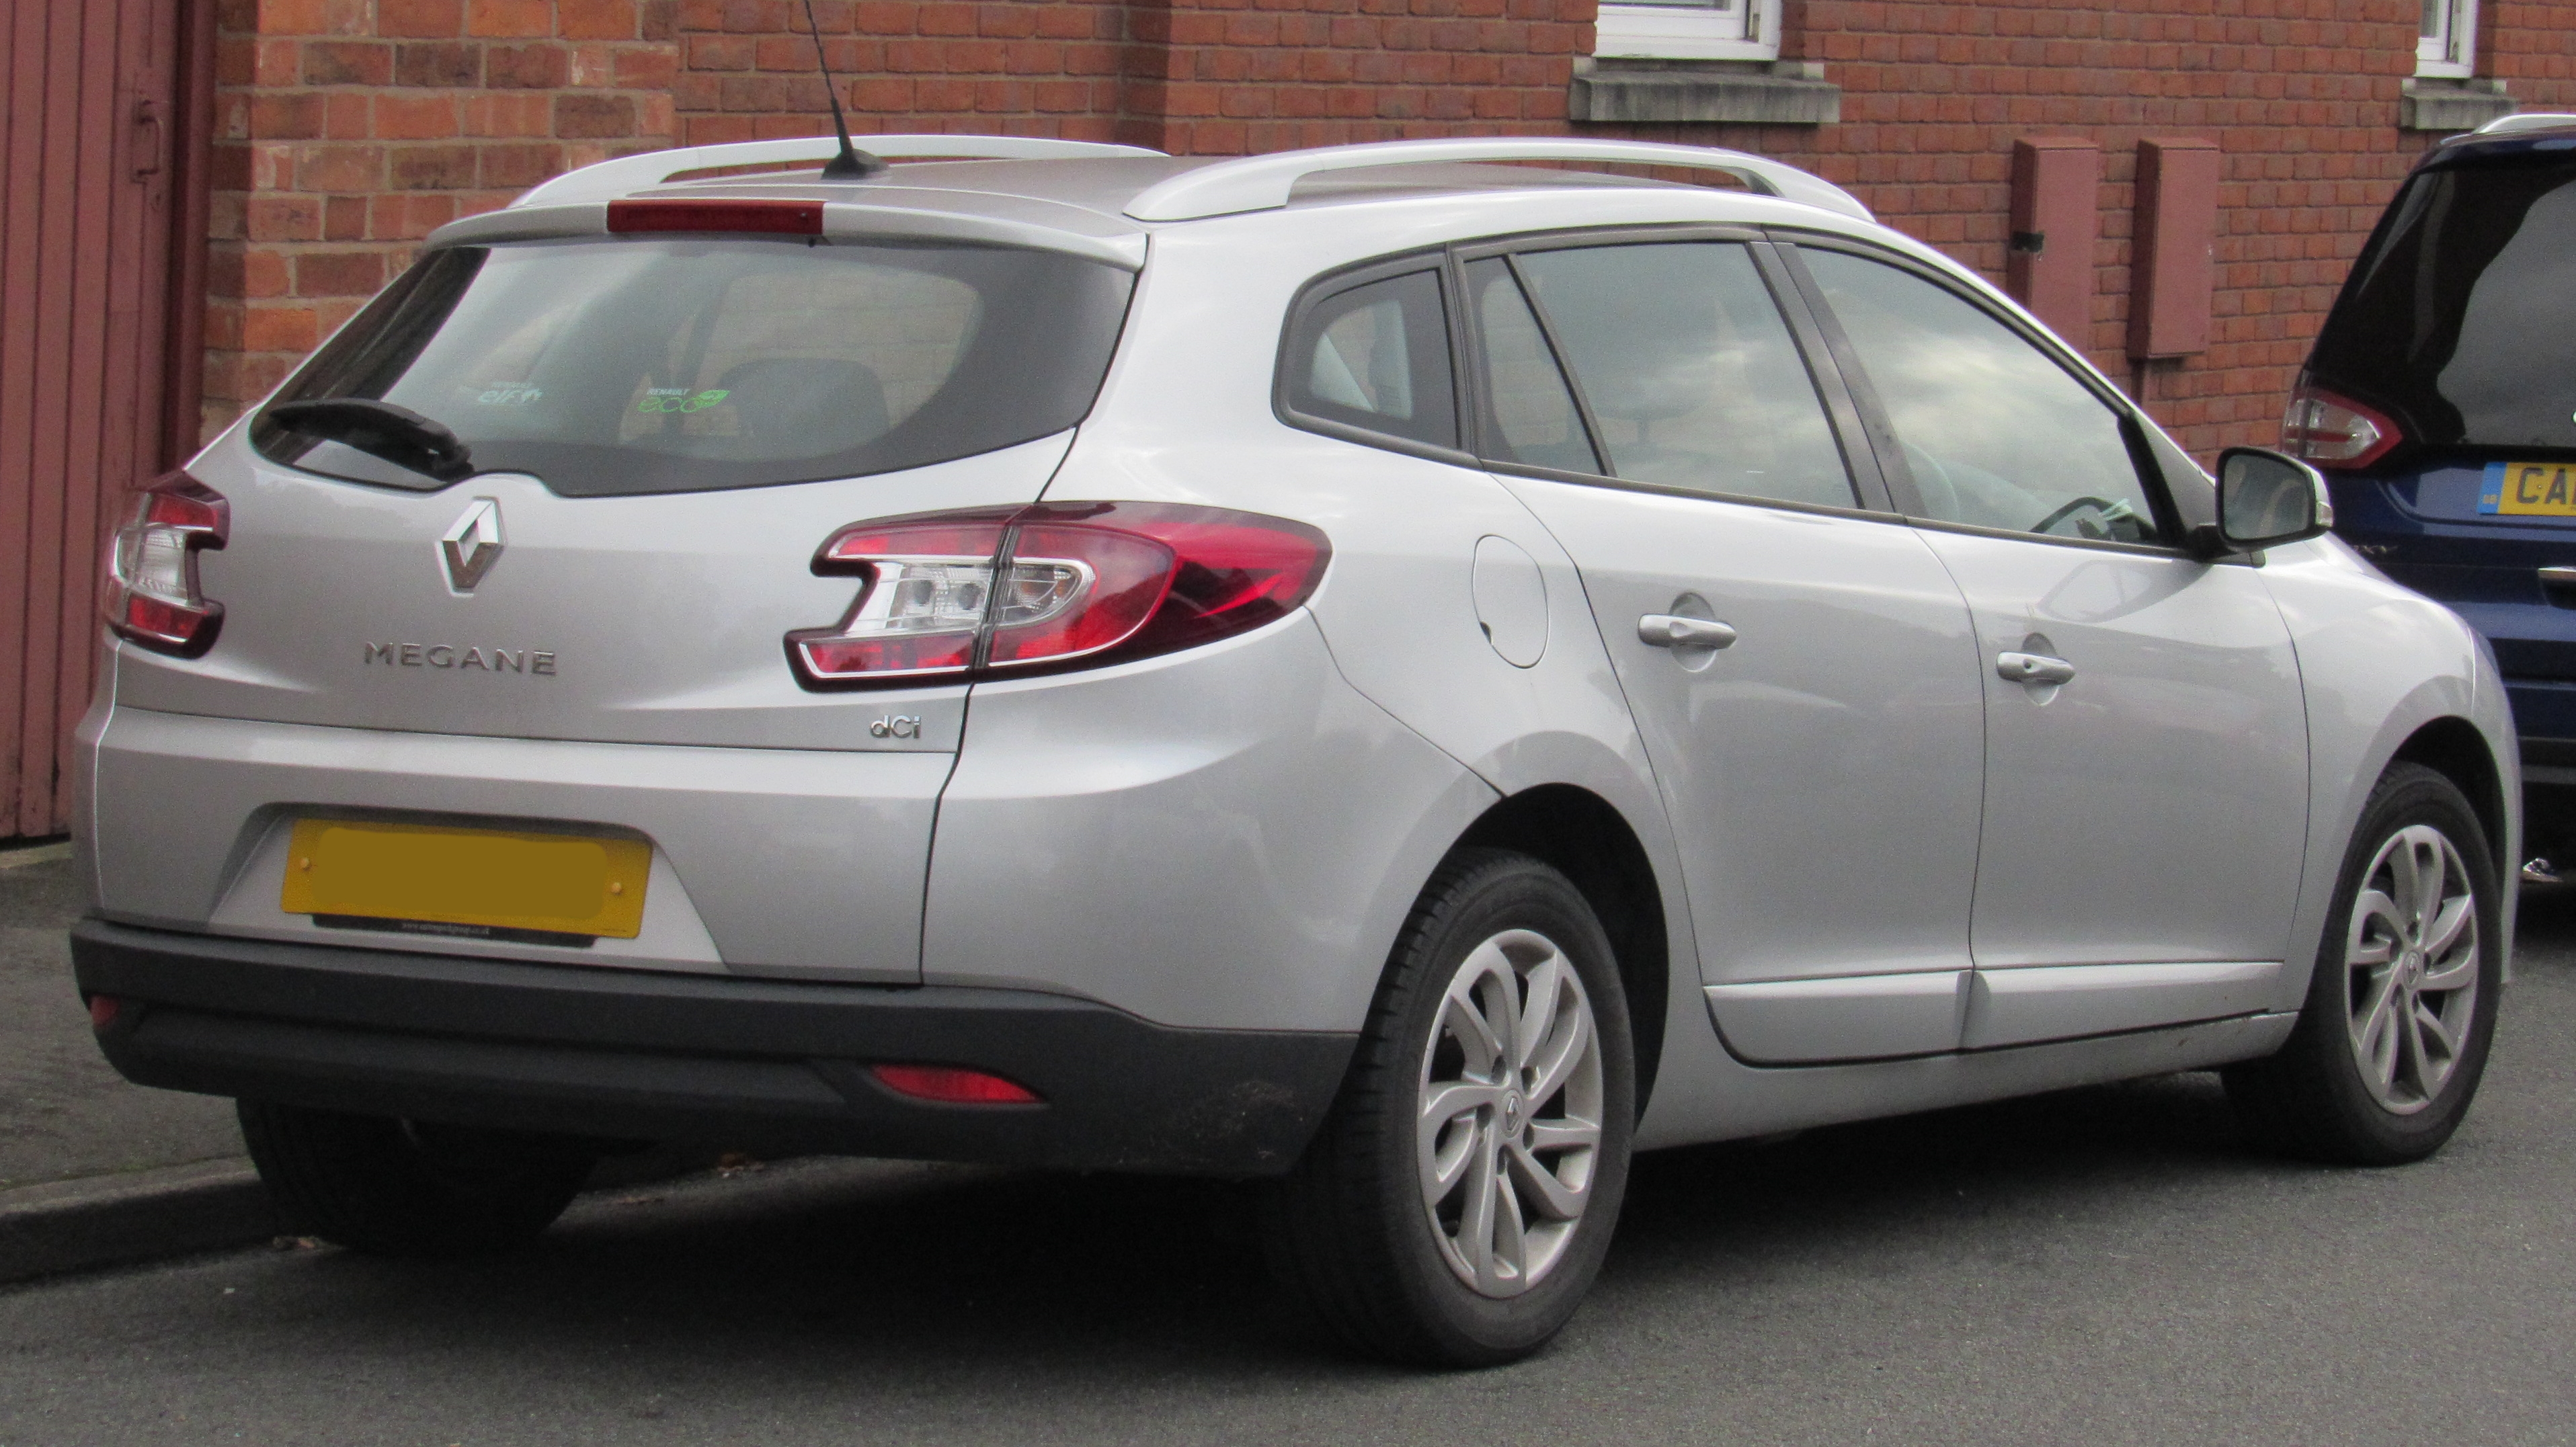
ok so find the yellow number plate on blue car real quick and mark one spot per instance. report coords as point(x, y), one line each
point(467, 883)
point(2529, 489)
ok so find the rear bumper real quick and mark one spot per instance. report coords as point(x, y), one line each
point(764, 1065)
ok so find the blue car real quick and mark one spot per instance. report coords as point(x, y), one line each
point(2440, 402)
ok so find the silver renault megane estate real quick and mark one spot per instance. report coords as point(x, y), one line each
point(1398, 674)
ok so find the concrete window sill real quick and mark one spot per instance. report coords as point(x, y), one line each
point(1788, 93)
point(2429, 104)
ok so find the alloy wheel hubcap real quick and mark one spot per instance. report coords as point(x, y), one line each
point(1509, 1126)
point(2411, 968)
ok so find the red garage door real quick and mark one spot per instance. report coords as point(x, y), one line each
point(102, 110)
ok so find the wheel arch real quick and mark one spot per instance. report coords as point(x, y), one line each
point(1582, 836)
point(2454, 748)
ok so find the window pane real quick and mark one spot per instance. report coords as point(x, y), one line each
point(1701, 20)
point(1690, 371)
point(1995, 433)
point(643, 365)
point(1377, 356)
point(2455, 313)
point(796, 366)
point(1532, 409)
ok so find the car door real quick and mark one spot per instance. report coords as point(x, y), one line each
point(2145, 737)
point(1800, 666)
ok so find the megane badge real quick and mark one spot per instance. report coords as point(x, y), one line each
point(473, 545)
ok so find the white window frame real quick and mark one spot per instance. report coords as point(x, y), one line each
point(2454, 52)
point(1682, 32)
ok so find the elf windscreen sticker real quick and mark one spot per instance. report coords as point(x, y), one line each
point(679, 399)
point(509, 394)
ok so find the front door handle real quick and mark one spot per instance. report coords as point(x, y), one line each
point(2032, 668)
point(1666, 630)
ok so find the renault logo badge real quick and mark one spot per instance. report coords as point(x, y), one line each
point(472, 545)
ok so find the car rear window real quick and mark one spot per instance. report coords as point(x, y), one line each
point(616, 367)
point(2460, 316)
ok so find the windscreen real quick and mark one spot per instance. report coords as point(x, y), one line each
point(2460, 317)
point(615, 367)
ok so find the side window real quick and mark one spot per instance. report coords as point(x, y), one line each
point(1377, 357)
point(1995, 432)
point(1534, 416)
point(1689, 370)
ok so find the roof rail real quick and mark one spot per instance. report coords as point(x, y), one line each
point(2526, 121)
point(1258, 183)
point(608, 180)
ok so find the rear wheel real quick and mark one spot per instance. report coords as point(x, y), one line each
point(411, 1188)
point(1459, 1199)
point(2393, 1038)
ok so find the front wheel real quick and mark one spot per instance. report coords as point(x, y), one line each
point(1459, 1199)
point(411, 1188)
point(2393, 1038)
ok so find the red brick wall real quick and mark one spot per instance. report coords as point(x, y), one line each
point(1021, 67)
point(348, 129)
point(1193, 77)
point(2301, 94)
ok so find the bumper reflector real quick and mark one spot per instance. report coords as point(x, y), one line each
point(953, 1085)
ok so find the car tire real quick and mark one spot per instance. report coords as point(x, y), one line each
point(1469, 1239)
point(2400, 1012)
point(408, 1188)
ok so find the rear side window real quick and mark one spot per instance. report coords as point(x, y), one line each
point(1689, 370)
point(1533, 416)
point(2460, 316)
point(658, 365)
point(1376, 357)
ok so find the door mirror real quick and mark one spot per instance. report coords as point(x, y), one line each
point(2265, 500)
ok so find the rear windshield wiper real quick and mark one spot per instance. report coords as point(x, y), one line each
point(380, 429)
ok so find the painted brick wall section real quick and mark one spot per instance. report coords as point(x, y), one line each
point(349, 129)
point(333, 183)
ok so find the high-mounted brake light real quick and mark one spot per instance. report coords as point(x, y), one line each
point(150, 596)
point(2333, 431)
point(770, 218)
point(1078, 584)
point(953, 1085)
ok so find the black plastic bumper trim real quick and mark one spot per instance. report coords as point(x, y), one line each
point(763, 1065)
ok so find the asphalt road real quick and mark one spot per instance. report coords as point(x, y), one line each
point(63, 1111)
point(2102, 1266)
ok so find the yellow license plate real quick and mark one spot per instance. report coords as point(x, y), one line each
point(466, 883)
point(2529, 489)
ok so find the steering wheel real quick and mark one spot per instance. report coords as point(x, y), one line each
point(2100, 504)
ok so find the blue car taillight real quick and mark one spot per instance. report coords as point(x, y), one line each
point(2333, 431)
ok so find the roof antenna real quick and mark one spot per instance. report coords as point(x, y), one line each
point(852, 164)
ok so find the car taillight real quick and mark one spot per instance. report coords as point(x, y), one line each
point(151, 596)
point(1051, 585)
point(2335, 431)
point(920, 610)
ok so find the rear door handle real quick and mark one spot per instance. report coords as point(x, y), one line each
point(2032, 668)
point(1665, 630)
point(2558, 577)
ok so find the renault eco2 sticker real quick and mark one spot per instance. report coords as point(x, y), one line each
point(679, 399)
